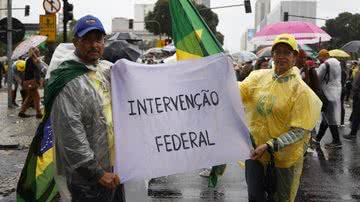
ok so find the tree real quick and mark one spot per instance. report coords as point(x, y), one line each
point(342, 29)
point(162, 15)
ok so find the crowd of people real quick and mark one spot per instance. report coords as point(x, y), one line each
point(281, 124)
point(285, 130)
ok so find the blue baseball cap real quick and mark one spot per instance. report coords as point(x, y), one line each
point(87, 24)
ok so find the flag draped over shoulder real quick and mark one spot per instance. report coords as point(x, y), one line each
point(37, 182)
point(193, 39)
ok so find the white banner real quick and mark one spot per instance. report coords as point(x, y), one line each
point(175, 118)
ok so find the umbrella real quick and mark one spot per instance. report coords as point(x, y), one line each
point(25, 46)
point(352, 47)
point(170, 48)
point(244, 56)
point(153, 51)
point(304, 33)
point(266, 52)
point(115, 50)
point(338, 53)
point(128, 36)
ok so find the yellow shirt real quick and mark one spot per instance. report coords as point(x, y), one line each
point(275, 104)
point(107, 109)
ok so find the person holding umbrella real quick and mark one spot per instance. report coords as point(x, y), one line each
point(281, 110)
point(31, 84)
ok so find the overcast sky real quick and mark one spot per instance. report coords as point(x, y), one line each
point(233, 21)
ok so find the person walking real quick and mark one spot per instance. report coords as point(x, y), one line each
point(31, 84)
point(356, 109)
point(329, 73)
point(281, 110)
point(81, 119)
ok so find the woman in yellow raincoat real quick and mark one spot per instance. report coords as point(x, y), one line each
point(280, 110)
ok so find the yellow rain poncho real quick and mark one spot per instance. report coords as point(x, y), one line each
point(274, 105)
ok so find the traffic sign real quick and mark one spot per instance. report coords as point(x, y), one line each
point(48, 27)
point(52, 6)
point(18, 30)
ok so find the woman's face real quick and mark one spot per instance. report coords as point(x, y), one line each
point(264, 65)
point(284, 58)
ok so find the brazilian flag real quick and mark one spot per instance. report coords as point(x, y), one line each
point(36, 183)
point(193, 39)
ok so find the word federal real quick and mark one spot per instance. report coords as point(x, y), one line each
point(182, 141)
point(177, 103)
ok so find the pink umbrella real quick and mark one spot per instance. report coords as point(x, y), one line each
point(304, 32)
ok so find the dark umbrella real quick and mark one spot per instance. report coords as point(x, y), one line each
point(352, 47)
point(128, 36)
point(115, 50)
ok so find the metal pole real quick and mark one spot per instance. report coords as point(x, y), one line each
point(229, 6)
point(9, 52)
point(65, 21)
point(307, 17)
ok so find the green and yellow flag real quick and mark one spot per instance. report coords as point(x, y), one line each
point(193, 39)
point(37, 183)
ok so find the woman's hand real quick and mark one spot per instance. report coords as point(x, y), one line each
point(258, 152)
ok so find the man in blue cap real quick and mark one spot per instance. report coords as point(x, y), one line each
point(78, 97)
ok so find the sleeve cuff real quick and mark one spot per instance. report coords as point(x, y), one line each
point(270, 144)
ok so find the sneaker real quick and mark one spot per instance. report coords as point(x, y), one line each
point(349, 137)
point(205, 173)
point(333, 145)
point(23, 115)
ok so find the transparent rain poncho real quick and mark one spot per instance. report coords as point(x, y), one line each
point(274, 105)
point(83, 132)
point(332, 90)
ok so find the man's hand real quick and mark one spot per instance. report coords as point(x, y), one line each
point(258, 152)
point(109, 180)
point(35, 55)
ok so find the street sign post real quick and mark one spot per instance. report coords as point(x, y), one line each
point(52, 6)
point(48, 27)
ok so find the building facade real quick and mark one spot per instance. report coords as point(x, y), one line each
point(262, 9)
point(120, 24)
point(141, 10)
point(265, 14)
point(305, 8)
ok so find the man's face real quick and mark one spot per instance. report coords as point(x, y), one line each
point(322, 58)
point(284, 57)
point(90, 47)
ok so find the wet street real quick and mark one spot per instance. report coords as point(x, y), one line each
point(329, 175)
